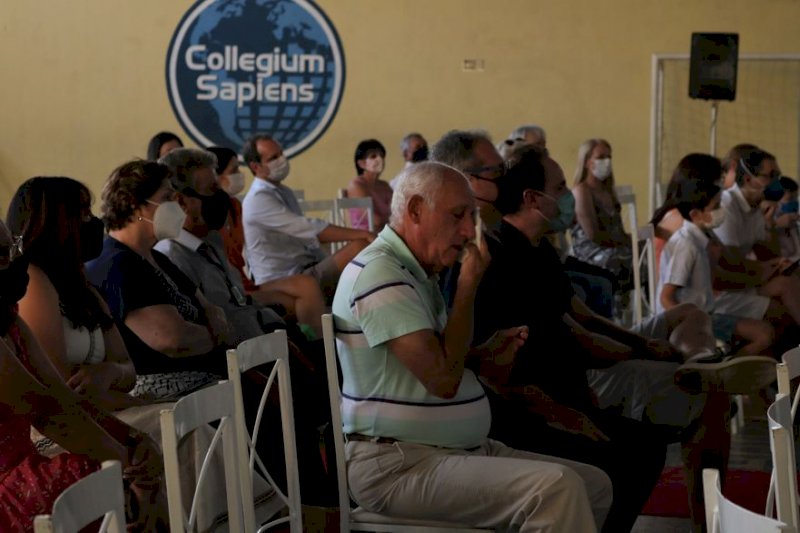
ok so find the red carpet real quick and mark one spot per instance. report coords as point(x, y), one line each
point(747, 488)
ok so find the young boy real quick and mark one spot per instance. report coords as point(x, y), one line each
point(685, 271)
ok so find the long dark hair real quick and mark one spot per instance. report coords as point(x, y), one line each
point(693, 167)
point(47, 213)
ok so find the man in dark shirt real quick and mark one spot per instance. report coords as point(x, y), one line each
point(545, 403)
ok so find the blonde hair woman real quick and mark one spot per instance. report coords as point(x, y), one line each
point(598, 235)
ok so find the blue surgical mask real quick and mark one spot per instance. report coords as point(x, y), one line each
point(790, 207)
point(774, 191)
point(566, 211)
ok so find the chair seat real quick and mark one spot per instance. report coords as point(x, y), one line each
point(362, 517)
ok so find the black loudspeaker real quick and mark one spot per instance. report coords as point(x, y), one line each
point(712, 70)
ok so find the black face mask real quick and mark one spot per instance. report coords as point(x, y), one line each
point(420, 154)
point(91, 239)
point(13, 286)
point(215, 209)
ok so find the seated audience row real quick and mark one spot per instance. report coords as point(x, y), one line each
point(160, 301)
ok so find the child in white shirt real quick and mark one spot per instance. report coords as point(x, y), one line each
point(685, 270)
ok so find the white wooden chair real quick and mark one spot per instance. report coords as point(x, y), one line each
point(323, 209)
point(262, 350)
point(98, 495)
point(359, 519)
point(627, 200)
point(343, 205)
point(783, 485)
point(787, 370)
point(644, 306)
point(724, 516)
point(215, 403)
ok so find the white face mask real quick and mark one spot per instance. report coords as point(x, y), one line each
point(601, 168)
point(374, 165)
point(168, 220)
point(717, 218)
point(235, 183)
point(278, 169)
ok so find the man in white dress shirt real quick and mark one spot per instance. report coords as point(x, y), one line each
point(279, 239)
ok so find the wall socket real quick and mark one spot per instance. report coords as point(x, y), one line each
point(473, 65)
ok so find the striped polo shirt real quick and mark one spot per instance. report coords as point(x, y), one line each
point(383, 294)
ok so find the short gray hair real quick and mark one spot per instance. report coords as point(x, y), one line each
point(456, 148)
point(423, 179)
point(182, 162)
point(407, 140)
point(522, 131)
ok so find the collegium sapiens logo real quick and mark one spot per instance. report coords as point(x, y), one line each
point(239, 67)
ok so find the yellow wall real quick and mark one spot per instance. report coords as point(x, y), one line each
point(83, 84)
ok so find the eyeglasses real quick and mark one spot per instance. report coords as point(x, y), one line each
point(501, 169)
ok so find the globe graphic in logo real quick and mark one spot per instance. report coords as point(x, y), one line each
point(240, 67)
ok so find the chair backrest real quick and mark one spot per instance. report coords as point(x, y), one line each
point(644, 306)
point(341, 193)
point(324, 209)
point(263, 350)
point(211, 404)
point(299, 194)
point(343, 206)
point(98, 495)
point(784, 463)
point(627, 202)
point(335, 396)
point(787, 371)
point(724, 516)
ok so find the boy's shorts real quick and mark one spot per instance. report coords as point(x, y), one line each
point(724, 326)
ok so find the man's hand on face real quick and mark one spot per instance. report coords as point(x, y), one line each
point(474, 262)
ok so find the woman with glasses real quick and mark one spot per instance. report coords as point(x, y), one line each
point(598, 235)
point(32, 394)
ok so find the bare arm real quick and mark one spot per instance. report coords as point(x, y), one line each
point(40, 310)
point(163, 329)
point(668, 296)
point(107, 383)
point(334, 233)
point(601, 326)
point(557, 415)
point(56, 409)
point(438, 361)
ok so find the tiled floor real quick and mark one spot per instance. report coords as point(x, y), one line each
point(749, 451)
